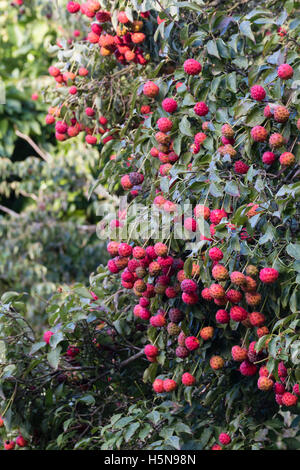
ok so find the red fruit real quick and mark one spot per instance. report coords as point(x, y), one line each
point(73, 7)
point(1, 422)
point(151, 350)
point(258, 93)
point(90, 112)
point(240, 167)
point(296, 389)
point(158, 386)
point(190, 299)
point(216, 447)
point(191, 343)
point(237, 278)
point(224, 439)
point(259, 134)
point(278, 399)
point(222, 316)
point(21, 442)
point(216, 362)
point(138, 252)
point(164, 124)
point(112, 267)
point(217, 291)
point(262, 331)
point(215, 254)
point(207, 333)
point(188, 379)
point(9, 445)
point(190, 224)
point(288, 399)
point(50, 119)
point(192, 67)
point(169, 385)
point(287, 159)
point(169, 105)
point(158, 320)
point(234, 296)
point(150, 89)
point(54, 71)
point(206, 294)
point(91, 139)
point(122, 17)
point(268, 112)
point(238, 313)
point(239, 354)
point(124, 249)
point(282, 371)
point(83, 72)
point(257, 319)
point(201, 211)
point(182, 352)
point(278, 388)
point(268, 275)
point(217, 215)
point(285, 71)
point(276, 140)
point(247, 368)
point(281, 114)
point(268, 158)
point(265, 383)
point(47, 336)
point(219, 272)
point(73, 90)
point(201, 109)
point(145, 109)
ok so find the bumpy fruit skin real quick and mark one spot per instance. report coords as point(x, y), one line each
point(201, 211)
point(247, 368)
point(227, 131)
point(288, 399)
point(164, 124)
point(176, 315)
point(182, 352)
point(192, 67)
point(285, 71)
point(158, 321)
point(258, 93)
point(282, 370)
point(219, 272)
point(278, 399)
point(268, 112)
point(239, 354)
point(224, 439)
point(173, 329)
point(190, 224)
point(215, 254)
point(268, 275)
point(201, 109)
point(281, 114)
point(287, 159)
point(240, 167)
point(188, 286)
point(150, 89)
point(169, 105)
point(222, 316)
point(188, 379)
point(259, 134)
point(21, 442)
point(192, 343)
point(237, 278)
point(257, 318)
point(265, 384)
point(205, 294)
point(207, 333)
point(296, 390)
point(276, 140)
point(278, 388)
point(9, 445)
point(217, 291)
point(169, 385)
point(216, 447)
point(151, 350)
point(268, 158)
point(238, 314)
point(158, 386)
point(217, 215)
point(216, 362)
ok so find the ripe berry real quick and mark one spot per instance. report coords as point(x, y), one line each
point(259, 134)
point(188, 379)
point(158, 320)
point(265, 383)
point(222, 316)
point(190, 224)
point(240, 167)
point(138, 252)
point(253, 298)
point(268, 275)
point(150, 89)
point(192, 67)
point(247, 368)
point(216, 447)
point(257, 319)
point(216, 362)
point(201, 211)
point(287, 159)
point(190, 299)
point(296, 389)
point(151, 350)
point(285, 71)
point(215, 254)
point(21, 442)
point(181, 351)
point(205, 294)
point(191, 343)
point(207, 333)
point(234, 296)
point(276, 140)
point(217, 215)
point(281, 114)
point(288, 399)
point(124, 249)
point(169, 385)
point(268, 158)
point(239, 354)
point(73, 90)
point(237, 278)
point(164, 124)
point(238, 314)
point(224, 439)
point(201, 109)
point(169, 105)
point(268, 112)
point(158, 386)
point(9, 445)
point(258, 93)
point(219, 272)
point(73, 7)
point(47, 336)
point(278, 388)
point(217, 291)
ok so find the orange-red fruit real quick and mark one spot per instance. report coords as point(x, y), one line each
point(219, 272)
point(257, 318)
point(287, 159)
point(259, 134)
point(288, 399)
point(192, 67)
point(158, 386)
point(276, 140)
point(188, 379)
point(258, 93)
point(281, 114)
point(285, 71)
point(237, 278)
point(201, 211)
point(169, 385)
point(150, 89)
point(216, 362)
point(217, 291)
point(207, 333)
point(239, 354)
point(268, 275)
point(265, 383)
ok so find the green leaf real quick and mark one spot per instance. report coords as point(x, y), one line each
point(245, 28)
